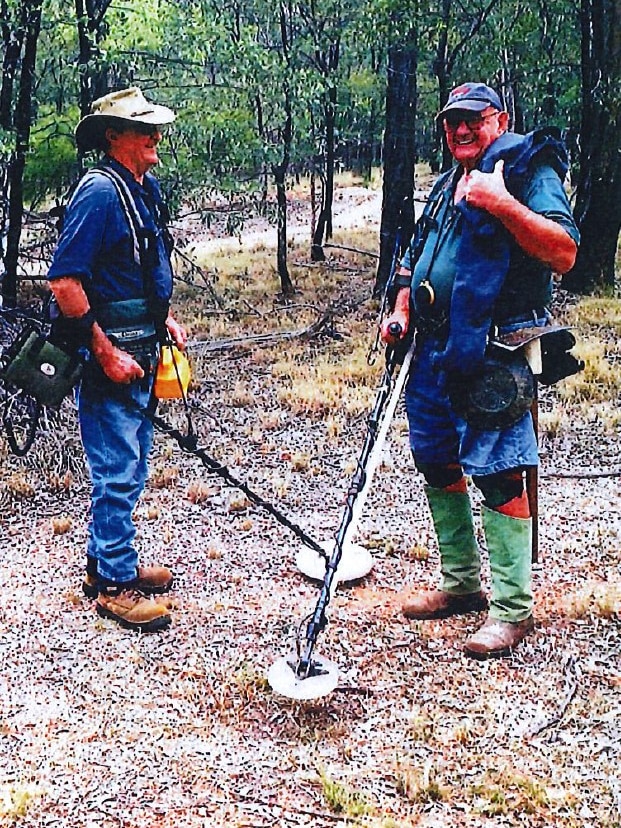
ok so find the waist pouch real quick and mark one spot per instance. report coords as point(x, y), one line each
point(41, 369)
point(129, 325)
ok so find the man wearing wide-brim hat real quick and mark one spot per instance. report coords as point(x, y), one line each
point(112, 280)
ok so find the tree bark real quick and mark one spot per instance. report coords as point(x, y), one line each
point(324, 222)
point(90, 15)
point(23, 123)
point(12, 41)
point(397, 221)
point(598, 195)
point(327, 63)
point(280, 170)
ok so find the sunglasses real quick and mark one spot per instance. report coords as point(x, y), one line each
point(474, 122)
point(146, 129)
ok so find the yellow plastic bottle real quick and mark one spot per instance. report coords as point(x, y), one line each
point(173, 374)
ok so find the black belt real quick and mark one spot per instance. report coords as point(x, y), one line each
point(438, 327)
point(528, 316)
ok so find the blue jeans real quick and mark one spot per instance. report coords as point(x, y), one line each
point(439, 436)
point(117, 440)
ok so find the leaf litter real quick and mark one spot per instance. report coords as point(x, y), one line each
point(99, 726)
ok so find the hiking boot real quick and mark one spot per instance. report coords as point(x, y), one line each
point(151, 580)
point(439, 604)
point(496, 639)
point(131, 609)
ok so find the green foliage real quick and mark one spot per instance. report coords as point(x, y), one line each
point(227, 71)
point(51, 163)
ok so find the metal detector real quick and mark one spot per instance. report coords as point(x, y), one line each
point(300, 676)
point(355, 561)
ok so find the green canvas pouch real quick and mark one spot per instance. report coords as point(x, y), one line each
point(41, 369)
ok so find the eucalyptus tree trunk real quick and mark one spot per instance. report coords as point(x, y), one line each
point(324, 221)
point(22, 121)
point(598, 198)
point(90, 16)
point(327, 61)
point(397, 222)
point(280, 170)
point(12, 41)
point(280, 173)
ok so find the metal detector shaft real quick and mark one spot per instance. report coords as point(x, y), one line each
point(188, 443)
point(371, 455)
point(368, 461)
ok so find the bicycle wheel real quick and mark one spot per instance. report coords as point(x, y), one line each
point(20, 417)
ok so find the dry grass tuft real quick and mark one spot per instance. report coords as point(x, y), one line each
point(341, 799)
point(329, 384)
point(598, 381)
point(421, 785)
point(506, 791)
point(61, 525)
point(595, 600)
point(16, 800)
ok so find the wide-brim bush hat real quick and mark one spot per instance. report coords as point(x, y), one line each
point(125, 105)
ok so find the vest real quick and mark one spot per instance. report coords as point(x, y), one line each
point(486, 248)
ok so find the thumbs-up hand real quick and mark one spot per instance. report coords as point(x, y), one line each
point(486, 190)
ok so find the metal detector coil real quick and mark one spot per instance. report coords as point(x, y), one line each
point(355, 561)
point(304, 676)
point(320, 679)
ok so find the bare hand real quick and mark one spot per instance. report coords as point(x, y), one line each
point(398, 317)
point(121, 367)
point(486, 190)
point(178, 332)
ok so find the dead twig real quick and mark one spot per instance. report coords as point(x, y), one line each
point(203, 348)
point(570, 670)
point(353, 250)
point(583, 475)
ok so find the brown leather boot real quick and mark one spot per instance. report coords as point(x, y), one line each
point(439, 604)
point(131, 609)
point(496, 639)
point(151, 580)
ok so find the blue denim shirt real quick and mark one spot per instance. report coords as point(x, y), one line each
point(96, 246)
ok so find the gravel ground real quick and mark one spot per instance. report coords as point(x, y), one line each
point(102, 727)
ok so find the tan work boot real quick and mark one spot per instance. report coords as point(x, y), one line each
point(151, 580)
point(496, 639)
point(131, 609)
point(439, 604)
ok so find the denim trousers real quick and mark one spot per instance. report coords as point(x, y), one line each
point(439, 436)
point(117, 439)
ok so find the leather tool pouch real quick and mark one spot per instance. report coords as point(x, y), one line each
point(556, 343)
point(557, 361)
point(42, 369)
point(498, 395)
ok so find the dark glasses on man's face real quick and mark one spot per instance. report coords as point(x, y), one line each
point(472, 120)
point(146, 129)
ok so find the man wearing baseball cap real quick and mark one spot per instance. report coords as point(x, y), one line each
point(111, 277)
point(479, 267)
